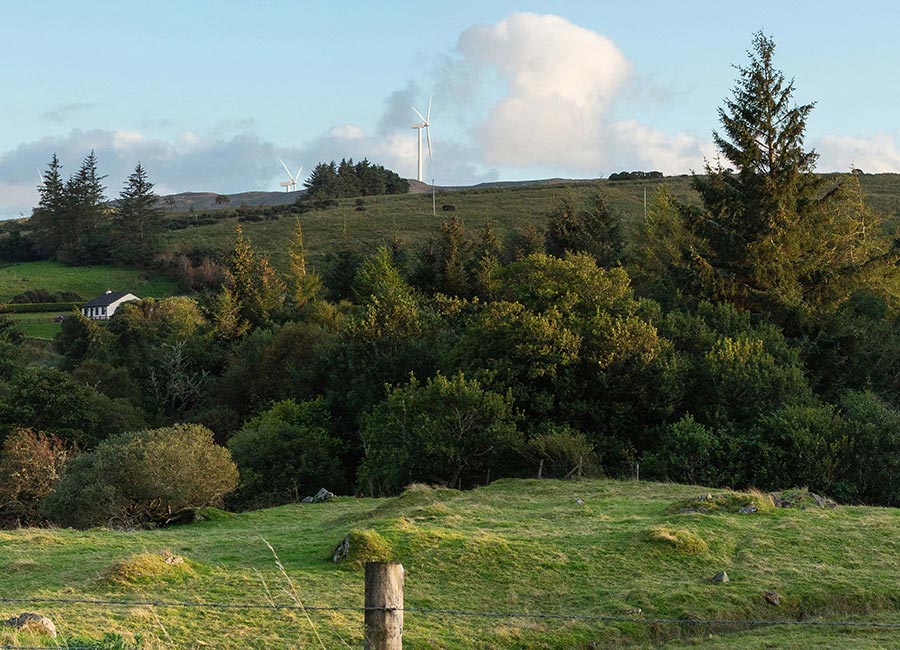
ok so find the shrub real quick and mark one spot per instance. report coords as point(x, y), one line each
point(286, 452)
point(447, 431)
point(561, 449)
point(686, 453)
point(31, 463)
point(143, 478)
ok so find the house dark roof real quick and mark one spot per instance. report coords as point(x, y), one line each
point(108, 298)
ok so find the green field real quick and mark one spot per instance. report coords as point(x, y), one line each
point(87, 281)
point(409, 219)
point(46, 329)
point(514, 546)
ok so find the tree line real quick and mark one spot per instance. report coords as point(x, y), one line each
point(348, 179)
point(750, 340)
point(74, 224)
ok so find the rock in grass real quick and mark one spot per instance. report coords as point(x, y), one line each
point(319, 497)
point(721, 576)
point(772, 598)
point(31, 622)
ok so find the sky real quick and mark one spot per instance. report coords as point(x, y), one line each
point(208, 95)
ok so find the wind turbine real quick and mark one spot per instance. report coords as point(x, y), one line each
point(291, 185)
point(425, 124)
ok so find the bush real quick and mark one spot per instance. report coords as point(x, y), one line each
point(686, 453)
point(562, 450)
point(447, 431)
point(286, 452)
point(143, 478)
point(31, 463)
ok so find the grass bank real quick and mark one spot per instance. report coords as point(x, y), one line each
point(592, 547)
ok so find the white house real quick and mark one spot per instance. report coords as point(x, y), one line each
point(103, 307)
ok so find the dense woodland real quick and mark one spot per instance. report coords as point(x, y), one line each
point(750, 340)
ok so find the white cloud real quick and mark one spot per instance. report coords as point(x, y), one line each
point(562, 84)
point(874, 153)
point(347, 132)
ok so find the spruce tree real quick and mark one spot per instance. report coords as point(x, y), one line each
point(48, 219)
point(771, 230)
point(85, 216)
point(136, 221)
point(305, 286)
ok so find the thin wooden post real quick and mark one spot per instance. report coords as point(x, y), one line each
point(384, 606)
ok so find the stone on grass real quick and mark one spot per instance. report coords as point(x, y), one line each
point(772, 598)
point(319, 497)
point(31, 622)
point(721, 576)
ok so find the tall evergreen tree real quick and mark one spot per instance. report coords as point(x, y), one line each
point(47, 221)
point(85, 215)
point(773, 230)
point(136, 221)
point(305, 286)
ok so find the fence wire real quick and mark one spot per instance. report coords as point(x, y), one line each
point(600, 618)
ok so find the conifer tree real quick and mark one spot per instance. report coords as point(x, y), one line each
point(136, 221)
point(305, 286)
point(255, 287)
point(772, 230)
point(84, 215)
point(47, 220)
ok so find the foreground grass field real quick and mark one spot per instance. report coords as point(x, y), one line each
point(514, 546)
point(87, 281)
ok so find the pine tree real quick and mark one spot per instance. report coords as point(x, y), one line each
point(771, 230)
point(305, 286)
point(255, 286)
point(48, 219)
point(136, 221)
point(84, 215)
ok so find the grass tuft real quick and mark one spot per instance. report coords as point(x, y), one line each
point(362, 546)
point(750, 502)
point(683, 541)
point(146, 568)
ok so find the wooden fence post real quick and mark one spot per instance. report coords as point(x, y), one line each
point(384, 606)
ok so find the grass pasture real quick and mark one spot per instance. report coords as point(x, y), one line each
point(408, 217)
point(87, 281)
point(40, 325)
point(514, 546)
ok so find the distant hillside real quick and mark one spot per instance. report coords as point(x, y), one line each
point(207, 200)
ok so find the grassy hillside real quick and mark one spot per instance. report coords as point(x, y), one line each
point(514, 546)
point(87, 281)
point(408, 217)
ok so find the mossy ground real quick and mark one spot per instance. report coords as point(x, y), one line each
point(513, 546)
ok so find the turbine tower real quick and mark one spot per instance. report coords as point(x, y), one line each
point(426, 124)
point(290, 185)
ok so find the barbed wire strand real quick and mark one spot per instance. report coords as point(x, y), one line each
point(462, 613)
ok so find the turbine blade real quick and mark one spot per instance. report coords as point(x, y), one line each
point(430, 157)
point(41, 175)
point(285, 167)
point(421, 117)
point(428, 112)
point(297, 177)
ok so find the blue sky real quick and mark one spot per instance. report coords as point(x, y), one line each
point(208, 95)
